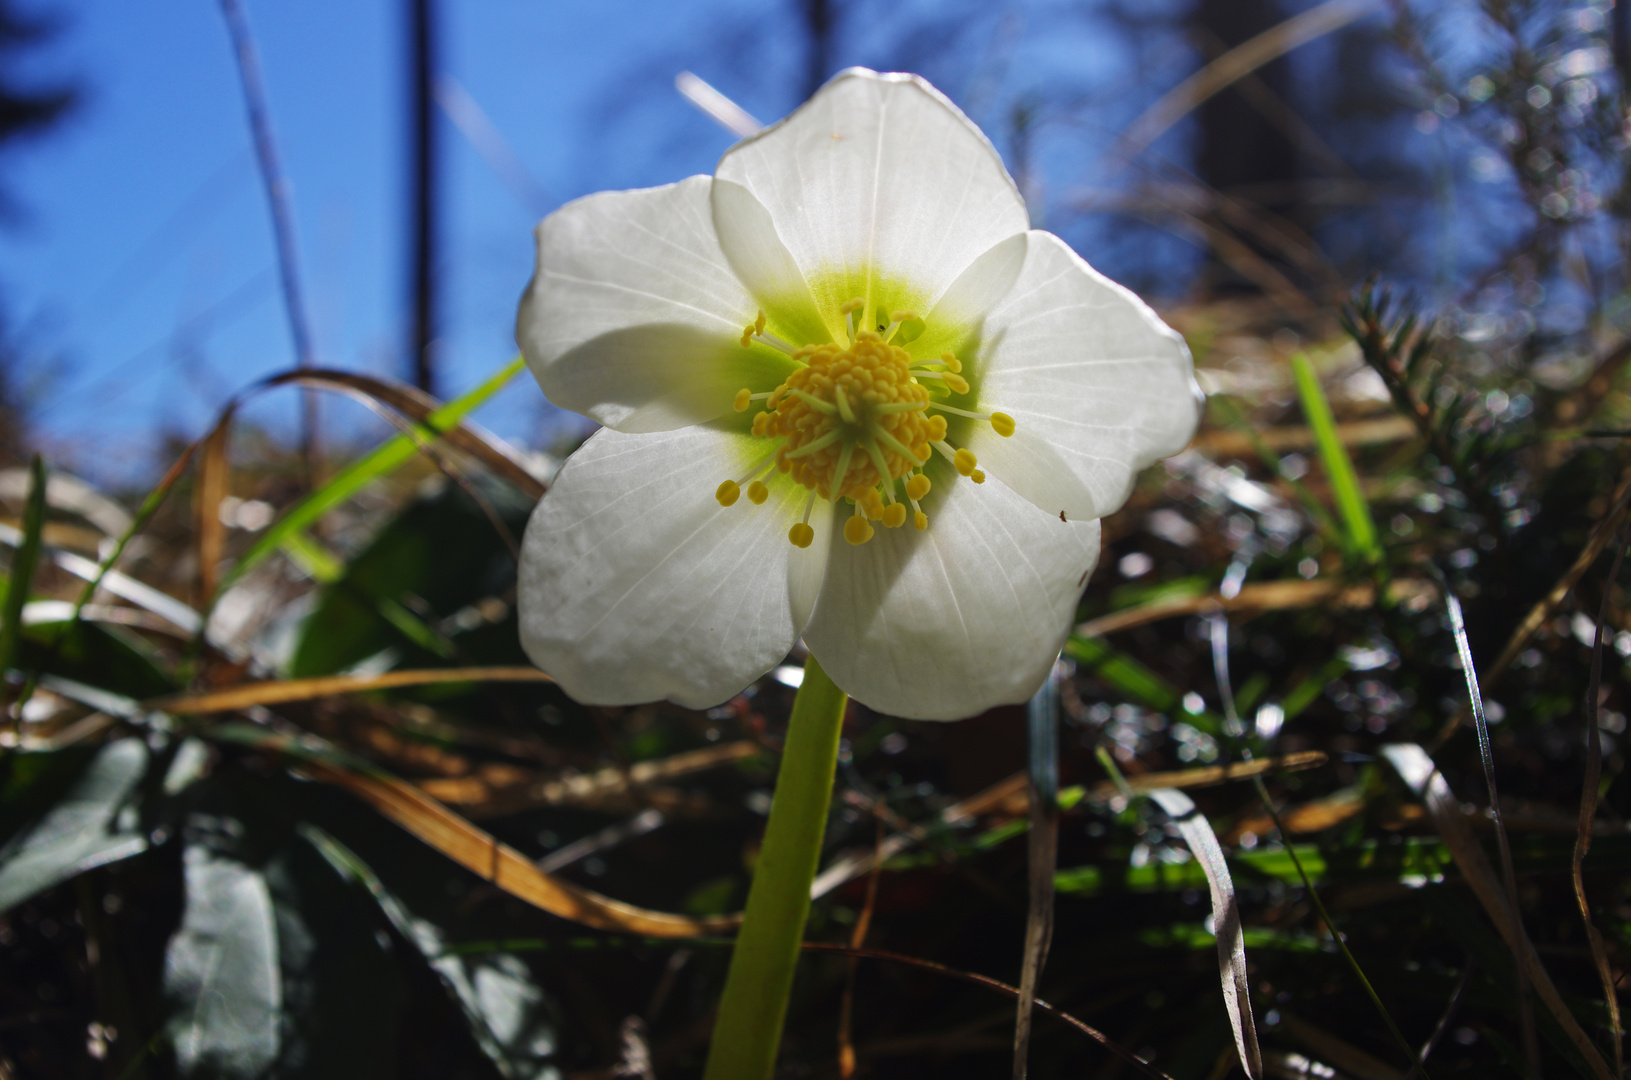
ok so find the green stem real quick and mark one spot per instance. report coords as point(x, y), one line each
point(749, 1028)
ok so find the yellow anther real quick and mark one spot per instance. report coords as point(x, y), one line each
point(857, 531)
point(964, 461)
point(747, 336)
point(801, 535)
point(744, 398)
point(758, 493)
point(759, 324)
point(909, 327)
point(894, 515)
point(951, 362)
point(872, 504)
point(1002, 424)
point(937, 430)
point(851, 305)
point(918, 486)
point(958, 384)
point(978, 476)
point(761, 422)
point(729, 491)
point(921, 520)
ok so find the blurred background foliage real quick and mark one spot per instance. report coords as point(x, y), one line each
point(1395, 238)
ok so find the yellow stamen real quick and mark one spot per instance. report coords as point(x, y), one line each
point(918, 486)
point(729, 491)
point(921, 520)
point(759, 324)
point(894, 515)
point(857, 531)
point(758, 493)
point(1002, 424)
point(801, 535)
point(978, 476)
point(951, 362)
point(744, 397)
point(964, 462)
point(958, 384)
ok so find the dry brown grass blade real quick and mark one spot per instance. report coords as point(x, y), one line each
point(1237, 62)
point(857, 939)
point(1352, 1061)
point(1127, 1056)
point(1588, 814)
point(474, 796)
point(503, 866)
point(1548, 604)
point(417, 405)
point(286, 690)
point(1220, 442)
point(1419, 773)
point(1256, 599)
point(1010, 797)
point(1234, 977)
point(213, 475)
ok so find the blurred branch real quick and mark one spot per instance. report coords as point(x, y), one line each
point(283, 229)
point(1235, 64)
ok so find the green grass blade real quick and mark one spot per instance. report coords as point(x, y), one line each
point(383, 460)
point(1351, 504)
point(21, 578)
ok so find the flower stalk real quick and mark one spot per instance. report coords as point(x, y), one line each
point(749, 1027)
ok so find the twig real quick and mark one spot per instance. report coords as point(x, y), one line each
point(1042, 853)
point(1526, 1015)
point(993, 984)
point(857, 939)
point(1588, 812)
point(1443, 1021)
point(283, 231)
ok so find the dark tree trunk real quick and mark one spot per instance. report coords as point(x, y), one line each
point(423, 77)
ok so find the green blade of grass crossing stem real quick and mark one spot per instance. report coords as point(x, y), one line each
point(1351, 505)
point(384, 459)
point(21, 578)
point(1137, 682)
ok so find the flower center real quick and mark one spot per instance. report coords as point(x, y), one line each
point(854, 423)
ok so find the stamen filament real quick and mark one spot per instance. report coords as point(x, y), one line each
point(775, 342)
point(959, 412)
point(891, 407)
point(766, 462)
point(958, 384)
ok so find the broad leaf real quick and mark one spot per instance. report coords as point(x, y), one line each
point(81, 831)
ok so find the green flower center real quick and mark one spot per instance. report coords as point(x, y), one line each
point(854, 422)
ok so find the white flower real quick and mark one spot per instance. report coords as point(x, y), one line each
point(854, 294)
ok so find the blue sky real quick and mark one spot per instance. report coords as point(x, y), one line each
point(142, 280)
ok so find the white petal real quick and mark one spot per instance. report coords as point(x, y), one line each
point(967, 614)
point(879, 177)
point(637, 585)
point(634, 313)
point(1097, 385)
point(748, 237)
